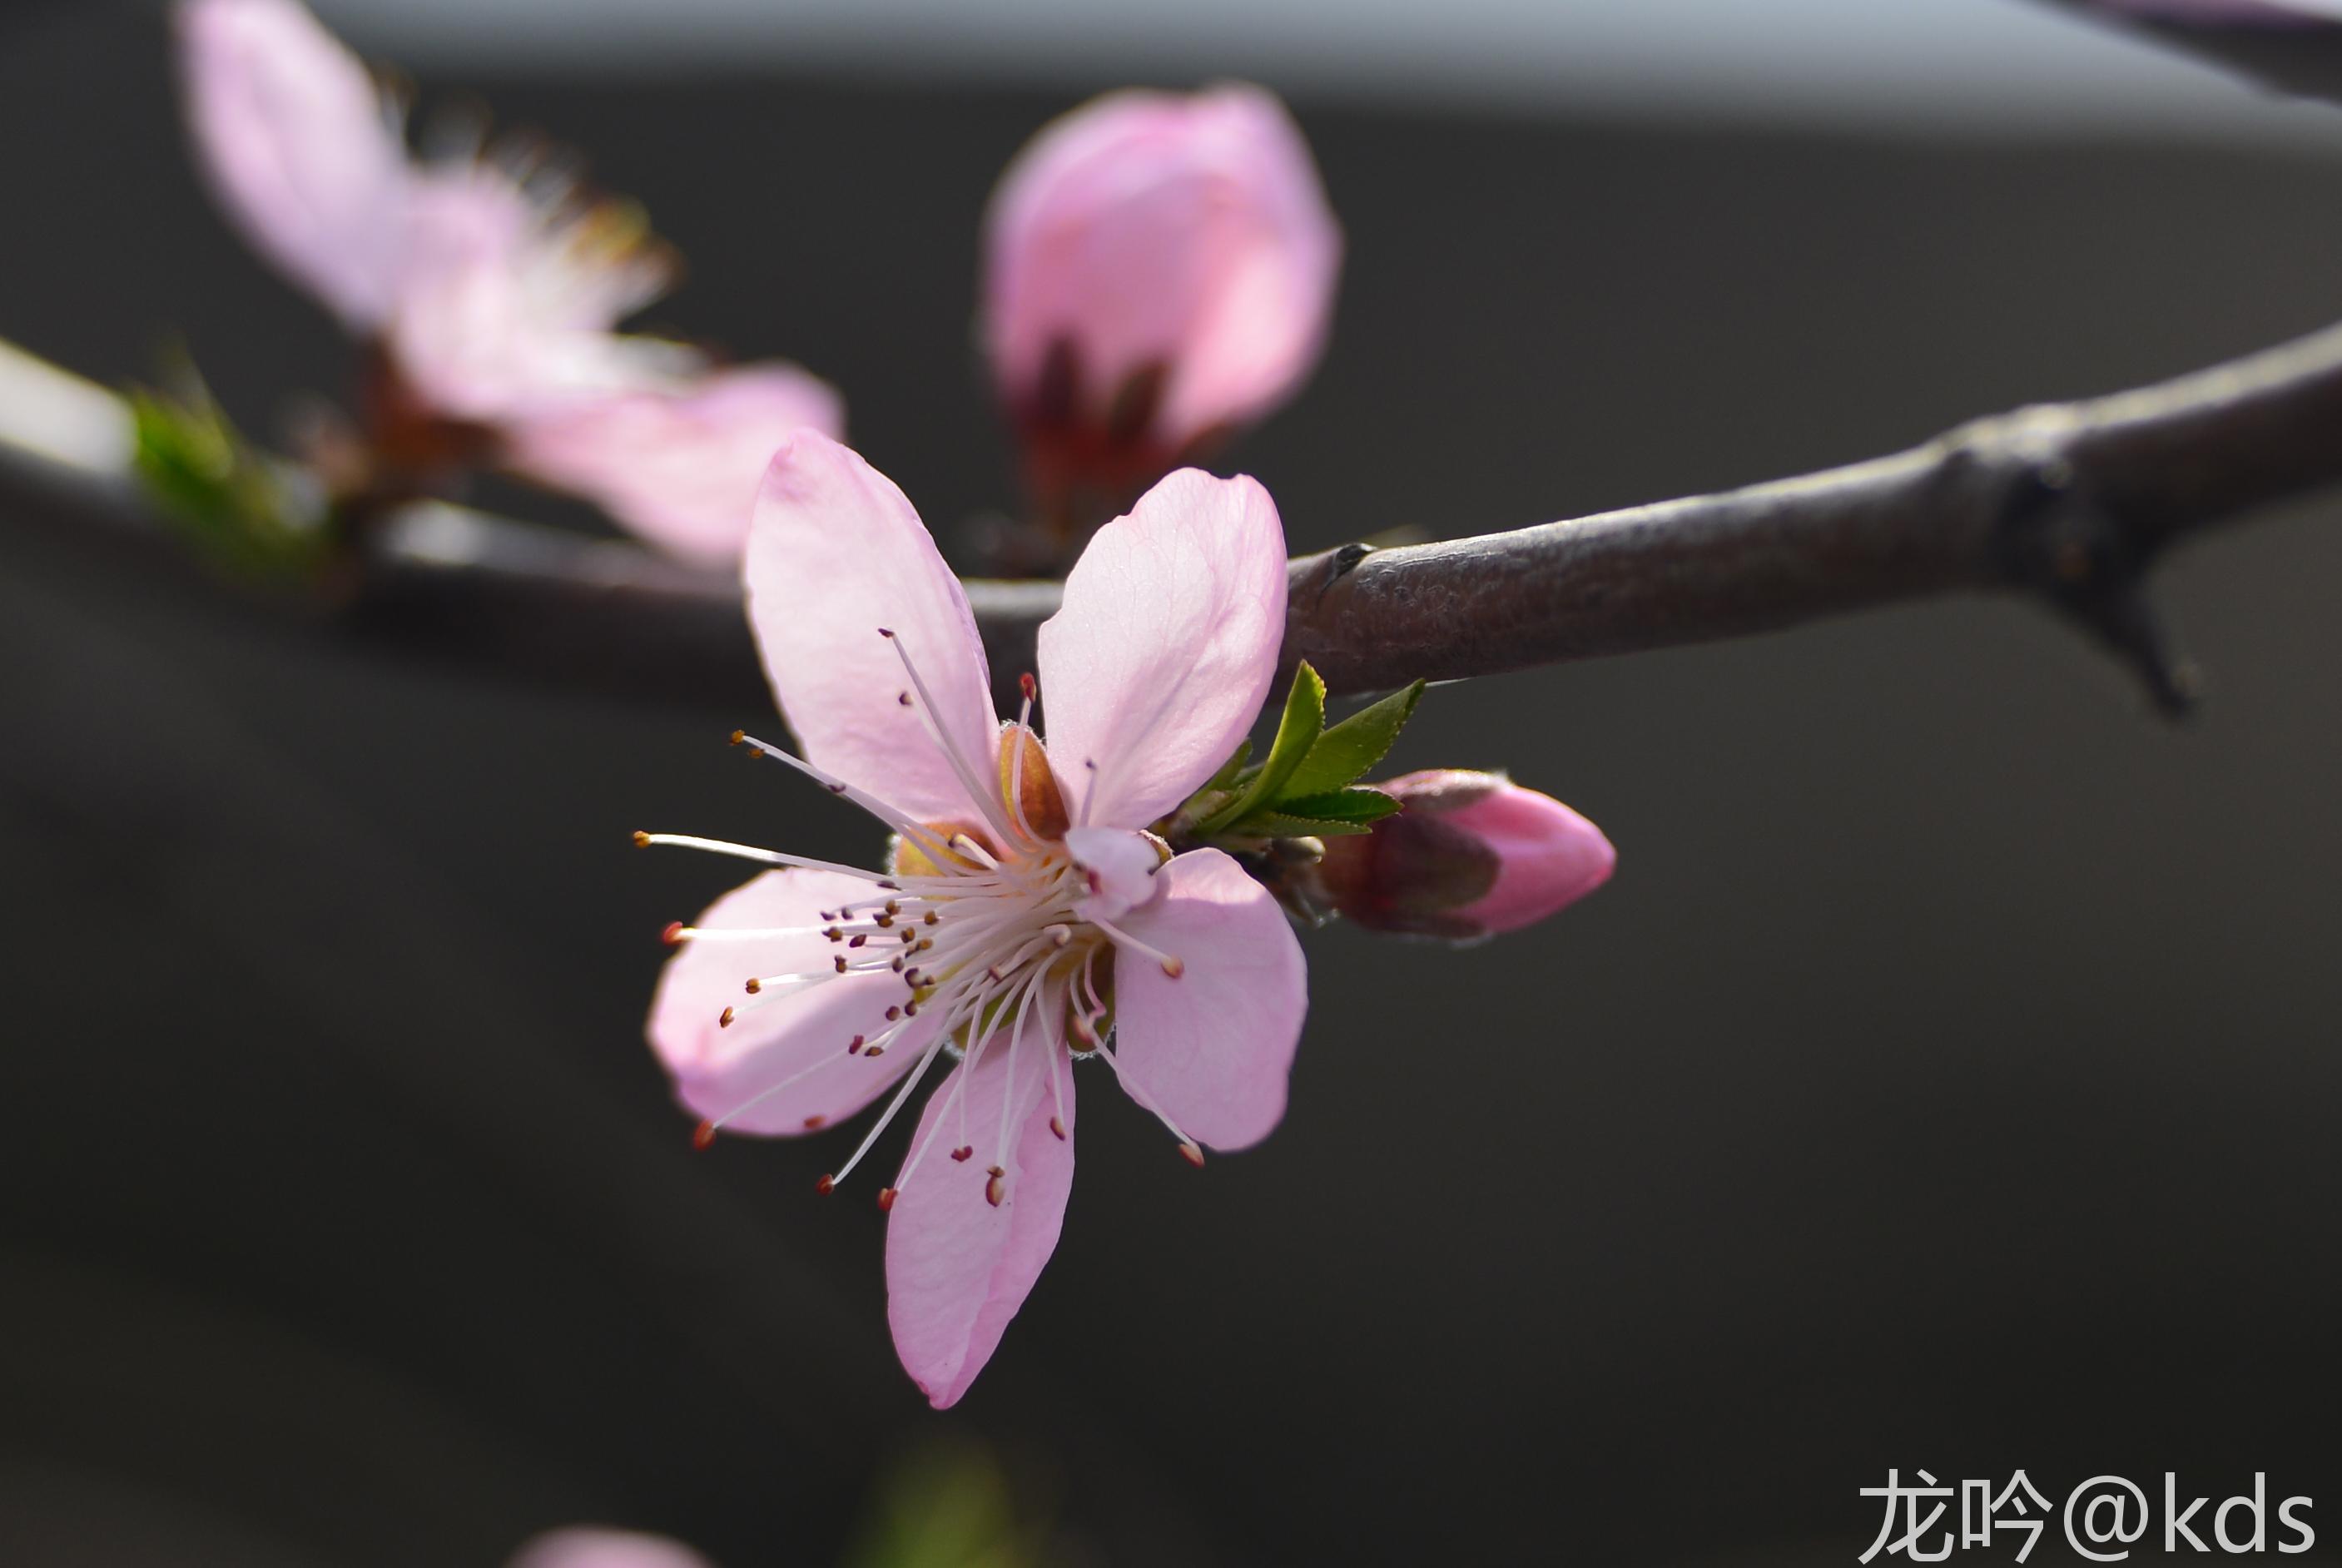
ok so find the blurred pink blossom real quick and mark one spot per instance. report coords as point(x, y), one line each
point(1026, 910)
point(493, 291)
point(1158, 233)
point(590, 1547)
point(1471, 854)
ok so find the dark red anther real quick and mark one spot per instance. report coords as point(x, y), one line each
point(1192, 1154)
point(840, 962)
point(884, 632)
point(703, 1135)
point(814, 1123)
point(893, 1013)
point(854, 1046)
point(725, 1021)
point(994, 1188)
point(752, 986)
point(672, 935)
point(826, 1186)
point(1057, 1125)
point(1028, 685)
point(885, 1199)
point(904, 698)
point(963, 1153)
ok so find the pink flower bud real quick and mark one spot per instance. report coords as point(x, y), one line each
point(1162, 263)
point(1471, 854)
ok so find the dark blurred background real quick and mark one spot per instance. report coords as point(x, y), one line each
point(1948, 1079)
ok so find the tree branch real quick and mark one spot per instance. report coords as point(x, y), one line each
point(2072, 502)
point(2281, 48)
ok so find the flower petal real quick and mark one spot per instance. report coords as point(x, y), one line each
point(1156, 664)
point(1184, 231)
point(1121, 866)
point(1211, 1049)
point(504, 309)
point(957, 1265)
point(801, 1031)
point(299, 146)
point(680, 467)
point(835, 553)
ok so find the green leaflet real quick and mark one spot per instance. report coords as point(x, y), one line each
point(227, 499)
point(1344, 753)
point(1301, 788)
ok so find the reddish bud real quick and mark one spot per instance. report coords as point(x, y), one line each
point(1467, 855)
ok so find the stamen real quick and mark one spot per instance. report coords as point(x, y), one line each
point(1188, 1148)
point(894, 817)
point(750, 852)
point(929, 713)
point(1172, 966)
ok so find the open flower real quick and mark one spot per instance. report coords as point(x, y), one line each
point(1028, 921)
point(1160, 266)
point(491, 289)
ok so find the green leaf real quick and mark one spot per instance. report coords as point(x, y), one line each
point(227, 499)
point(1335, 814)
point(1344, 753)
point(1226, 777)
point(1360, 805)
point(1303, 721)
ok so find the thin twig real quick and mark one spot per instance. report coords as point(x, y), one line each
point(2071, 502)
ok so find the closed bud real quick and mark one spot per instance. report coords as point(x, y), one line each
point(1467, 855)
point(1160, 268)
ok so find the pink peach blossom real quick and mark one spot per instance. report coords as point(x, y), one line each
point(586, 1546)
point(1470, 854)
point(1028, 921)
point(1185, 231)
point(493, 291)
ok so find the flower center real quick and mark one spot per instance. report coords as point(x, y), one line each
point(993, 928)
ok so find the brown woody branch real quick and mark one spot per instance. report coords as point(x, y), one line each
point(2072, 502)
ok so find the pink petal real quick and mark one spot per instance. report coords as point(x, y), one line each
point(298, 146)
point(802, 1029)
point(1548, 857)
point(959, 1267)
point(504, 312)
point(1122, 867)
point(835, 553)
point(1156, 664)
point(1212, 1048)
point(587, 1547)
point(681, 468)
point(1185, 230)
